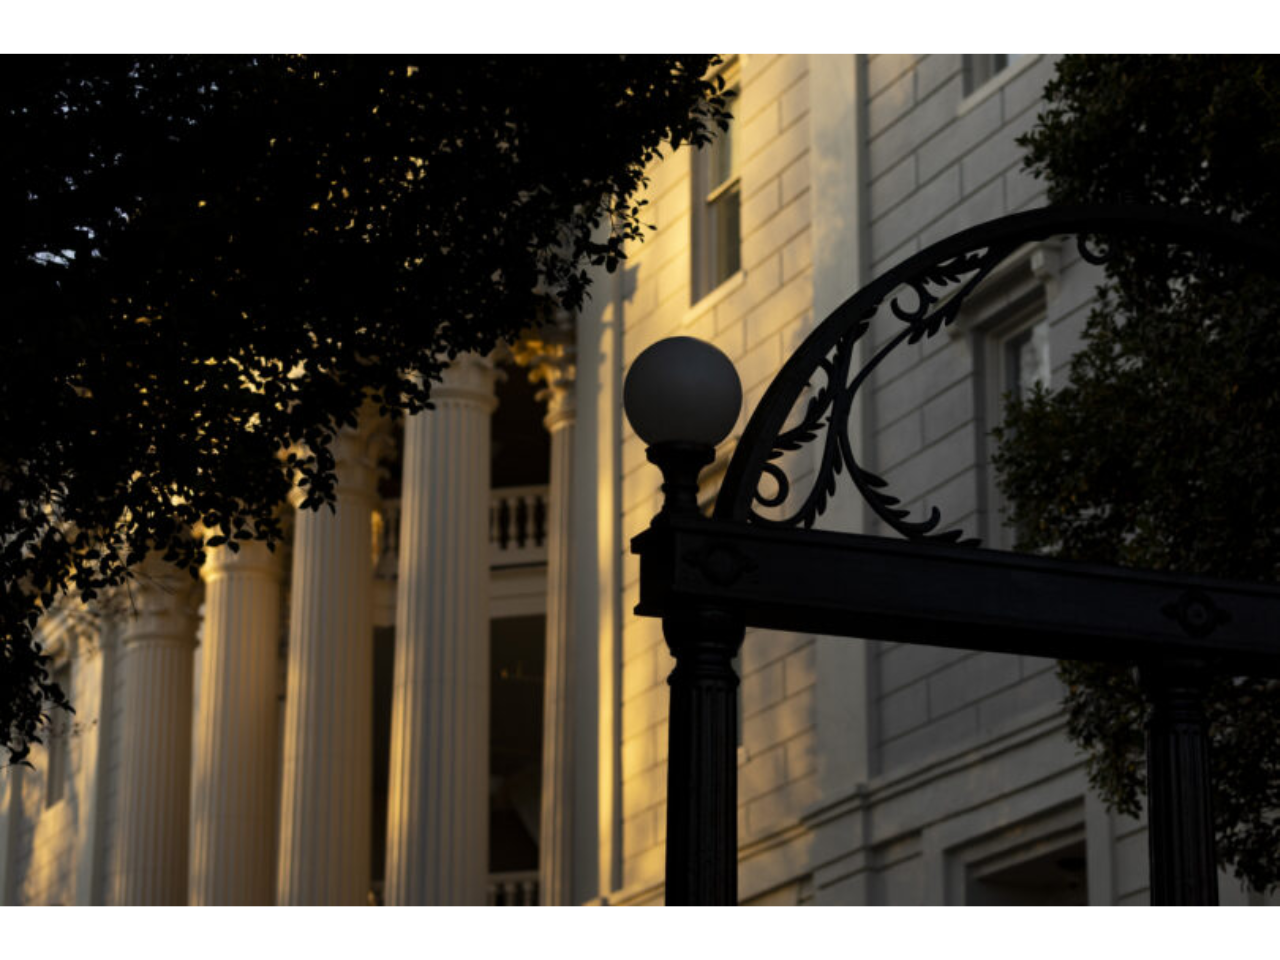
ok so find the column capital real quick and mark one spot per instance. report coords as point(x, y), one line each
point(468, 377)
point(163, 600)
point(550, 355)
point(355, 452)
point(67, 628)
point(253, 557)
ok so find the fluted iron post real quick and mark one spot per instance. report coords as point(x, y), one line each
point(702, 774)
point(1184, 870)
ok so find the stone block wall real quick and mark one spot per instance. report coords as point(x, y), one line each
point(757, 317)
point(941, 160)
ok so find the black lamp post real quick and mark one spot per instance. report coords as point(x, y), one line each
point(710, 577)
point(683, 397)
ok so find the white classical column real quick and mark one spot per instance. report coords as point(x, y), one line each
point(438, 806)
point(555, 835)
point(233, 790)
point(154, 798)
point(326, 777)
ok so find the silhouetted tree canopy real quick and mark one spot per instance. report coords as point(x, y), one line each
point(211, 261)
point(1163, 450)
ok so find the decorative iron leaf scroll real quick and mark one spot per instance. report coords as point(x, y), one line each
point(925, 293)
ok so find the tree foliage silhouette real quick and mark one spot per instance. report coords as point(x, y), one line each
point(212, 261)
point(1163, 449)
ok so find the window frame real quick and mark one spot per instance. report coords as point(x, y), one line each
point(1059, 834)
point(1013, 300)
point(970, 97)
point(706, 244)
point(979, 69)
point(997, 342)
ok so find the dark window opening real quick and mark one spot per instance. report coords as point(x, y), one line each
point(384, 657)
point(515, 742)
point(1054, 878)
point(521, 445)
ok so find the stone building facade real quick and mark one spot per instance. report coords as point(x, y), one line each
point(439, 694)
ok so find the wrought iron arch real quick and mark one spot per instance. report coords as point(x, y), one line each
point(939, 279)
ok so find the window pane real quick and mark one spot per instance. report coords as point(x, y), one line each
point(720, 165)
point(715, 226)
point(981, 67)
point(720, 153)
point(1027, 360)
point(724, 214)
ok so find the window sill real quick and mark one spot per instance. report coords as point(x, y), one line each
point(995, 83)
point(709, 300)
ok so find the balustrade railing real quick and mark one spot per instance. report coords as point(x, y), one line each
point(517, 529)
point(516, 889)
point(518, 526)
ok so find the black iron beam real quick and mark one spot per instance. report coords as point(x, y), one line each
point(702, 769)
point(860, 586)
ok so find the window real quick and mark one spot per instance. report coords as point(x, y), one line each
point(1017, 360)
point(1006, 319)
point(1026, 360)
point(717, 204)
point(57, 754)
point(517, 667)
point(981, 67)
point(1041, 860)
point(1044, 875)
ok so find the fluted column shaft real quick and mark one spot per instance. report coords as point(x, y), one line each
point(233, 794)
point(555, 835)
point(438, 807)
point(150, 862)
point(326, 789)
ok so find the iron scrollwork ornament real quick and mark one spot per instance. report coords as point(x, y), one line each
point(926, 294)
